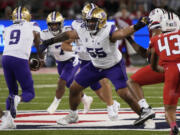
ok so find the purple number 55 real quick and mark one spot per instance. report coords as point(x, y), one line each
point(14, 37)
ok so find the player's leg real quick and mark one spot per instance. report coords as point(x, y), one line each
point(8, 68)
point(144, 76)
point(24, 77)
point(87, 75)
point(86, 100)
point(119, 81)
point(106, 91)
point(61, 84)
point(105, 94)
point(170, 96)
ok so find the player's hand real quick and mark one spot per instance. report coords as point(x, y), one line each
point(143, 21)
point(35, 63)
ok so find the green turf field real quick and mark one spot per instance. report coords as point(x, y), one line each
point(45, 85)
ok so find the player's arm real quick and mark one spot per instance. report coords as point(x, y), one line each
point(37, 42)
point(122, 33)
point(139, 49)
point(155, 61)
point(61, 37)
point(66, 45)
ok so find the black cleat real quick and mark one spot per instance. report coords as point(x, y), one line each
point(146, 113)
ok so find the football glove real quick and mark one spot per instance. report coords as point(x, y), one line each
point(143, 21)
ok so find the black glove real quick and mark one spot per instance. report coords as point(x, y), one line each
point(35, 64)
point(143, 21)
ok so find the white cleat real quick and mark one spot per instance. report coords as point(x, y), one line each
point(149, 124)
point(54, 105)
point(116, 106)
point(113, 111)
point(87, 104)
point(72, 117)
point(7, 122)
point(113, 116)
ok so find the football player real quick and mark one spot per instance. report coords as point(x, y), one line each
point(140, 78)
point(99, 39)
point(67, 62)
point(105, 92)
point(165, 47)
point(18, 38)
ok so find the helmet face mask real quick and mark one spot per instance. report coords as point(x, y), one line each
point(55, 22)
point(156, 17)
point(55, 28)
point(95, 20)
point(92, 24)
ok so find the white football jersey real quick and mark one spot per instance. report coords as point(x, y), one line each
point(19, 39)
point(55, 49)
point(82, 55)
point(103, 53)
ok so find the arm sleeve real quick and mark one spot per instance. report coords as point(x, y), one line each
point(36, 27)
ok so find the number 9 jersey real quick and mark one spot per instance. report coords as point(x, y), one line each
point(103, 53)
point(19, 39)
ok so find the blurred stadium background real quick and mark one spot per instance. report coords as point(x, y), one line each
point(45, 84)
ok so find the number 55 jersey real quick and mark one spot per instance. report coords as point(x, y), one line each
point(103, 53)
point(19, 39)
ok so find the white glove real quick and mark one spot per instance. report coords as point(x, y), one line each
point(78, 49)
point(76, 61)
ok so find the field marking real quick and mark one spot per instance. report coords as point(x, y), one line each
point(55, 85)
point(96, 119)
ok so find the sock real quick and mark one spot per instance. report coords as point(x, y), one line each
point(74, 112)
point(172, 124)
point(57, 100)
point(110, 106)
point(83, 99)
point(143, 104)
point(18, 99)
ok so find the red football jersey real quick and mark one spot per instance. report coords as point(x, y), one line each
point(167, 46)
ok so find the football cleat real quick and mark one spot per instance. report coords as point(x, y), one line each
point(149, 124)
point(116, 107)
point(146, 113)
point(87, 104)
point(12, 106)
point(7, 121)
point(113, 116)
point(174, 131)
point(72, 117)
point(54, 105)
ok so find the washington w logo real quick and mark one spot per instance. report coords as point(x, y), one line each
point(95, 119)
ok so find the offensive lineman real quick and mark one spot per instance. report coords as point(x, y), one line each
point(106, 61)
point(105, 92)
